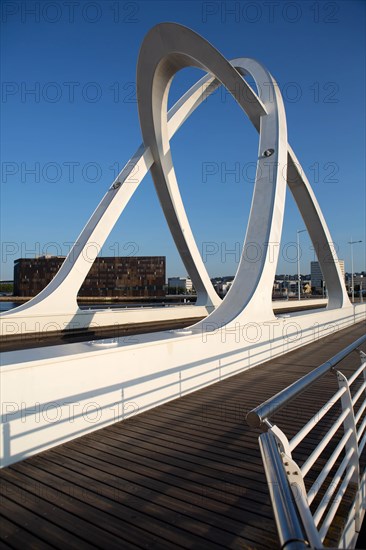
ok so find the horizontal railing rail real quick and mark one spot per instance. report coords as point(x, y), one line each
point(309, 513)
point(258, 415)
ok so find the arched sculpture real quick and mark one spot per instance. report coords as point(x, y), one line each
point(166, 49)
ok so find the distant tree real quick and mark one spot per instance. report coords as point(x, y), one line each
point(6, 287)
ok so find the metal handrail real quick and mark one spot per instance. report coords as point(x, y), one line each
point(288, 524)
point(257, 416)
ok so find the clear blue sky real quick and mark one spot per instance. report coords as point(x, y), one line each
point(81, 123)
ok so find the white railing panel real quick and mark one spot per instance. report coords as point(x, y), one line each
point(323, 443)
point(360, 412)
point(358, 394)
point(310, 425)
point(361, 429)
point(313, 491)
point(324, 503)
point(361, 445)
point(337, 500)
point(356, 374)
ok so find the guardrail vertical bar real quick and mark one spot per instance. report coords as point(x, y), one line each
point(352, 443)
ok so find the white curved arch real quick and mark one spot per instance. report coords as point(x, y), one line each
point(166, 49)
point(251, 291)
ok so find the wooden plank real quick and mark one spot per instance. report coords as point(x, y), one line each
point(57, 500)
point(117, 453)
point(180, 487)
point(38, 521)
point(187, 530)
point(176, 508)
point(20, 537)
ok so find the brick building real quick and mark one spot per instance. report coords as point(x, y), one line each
point(108, 276)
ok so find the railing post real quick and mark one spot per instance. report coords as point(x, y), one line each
point(352, 443)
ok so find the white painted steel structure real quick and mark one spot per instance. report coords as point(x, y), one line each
point(53, 394)
point(282, 470)
point(166, 49)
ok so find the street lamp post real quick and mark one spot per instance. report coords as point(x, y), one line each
point(351, 242)
point(298, 262)
point(361, 298)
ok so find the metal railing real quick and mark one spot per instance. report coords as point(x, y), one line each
point(305, 516)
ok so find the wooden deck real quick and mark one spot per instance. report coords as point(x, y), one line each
point(187, 474)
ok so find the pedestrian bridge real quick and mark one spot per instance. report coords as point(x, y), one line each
point(152, 470)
